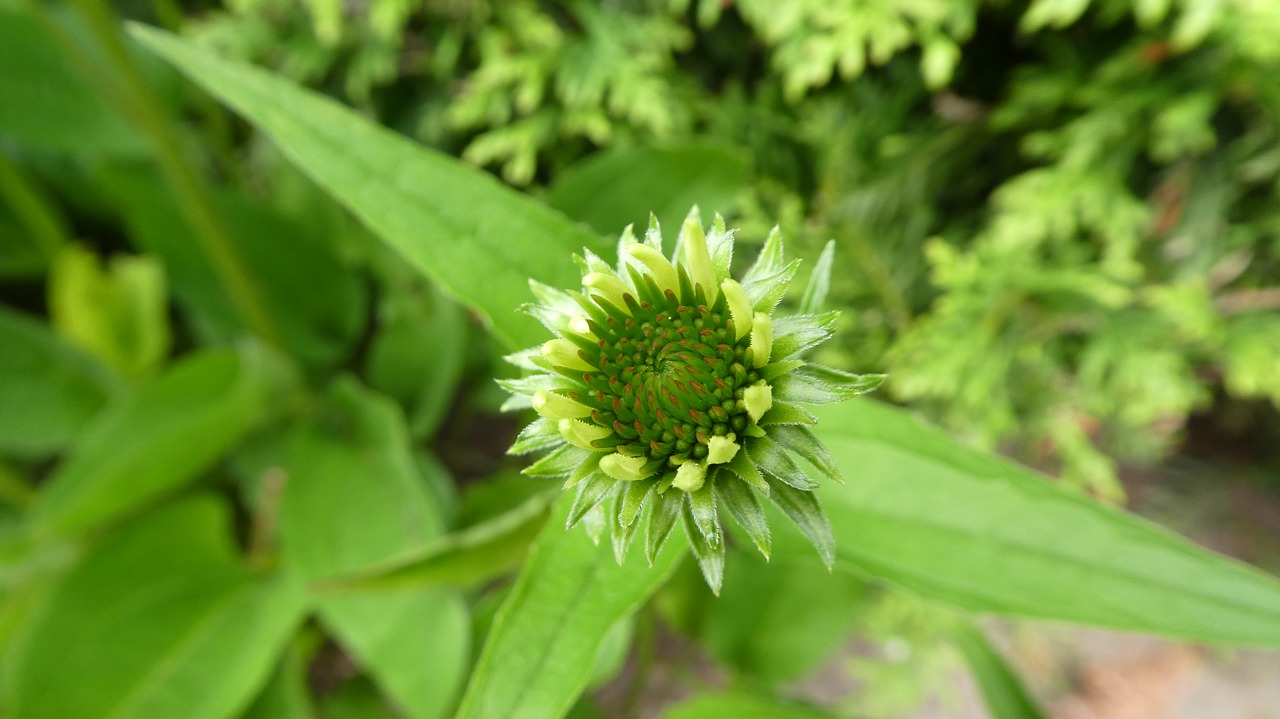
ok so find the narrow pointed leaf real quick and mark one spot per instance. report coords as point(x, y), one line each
point(784, 413)
point(539, 655)
point(815, 293)
point(666, 508)
point(538, 434)
point(633, 498)
point(622, 534)
point(560, 462)
point(801, 440)
point(1003, 692)
point(710, 556)
point(743, 466)
point(983, 533)
point(702, 508)
point(591, 491)
point(794, 334)
point(815, 384)
point(747, 512)
point(774, 461)
point(803, 509)
point(453, 223)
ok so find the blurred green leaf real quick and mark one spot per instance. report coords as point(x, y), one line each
point(47, 104)
point(473, 555)
point(781, 619)
point(120, 314)
point(354, 499)
point(138, 628)
point(48, 389)
point(470, 234)
point(316, 300)
point(540, 653)
point(1003, 692)
point(741, 704)
point(287, 695)
point(156, 439)
point(618, 187)
point(983, 533)
point(418, 355)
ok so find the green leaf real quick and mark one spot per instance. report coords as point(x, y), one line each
point(710, 554)
point(1005, 696)
point(156, 439)
point(806, 512)
point(355, 500)
point(120, 314)
point(815, 293)
point(747, 511)
point(161, 620)
point(418, 354)
point(793, 334)
point(48, 104)
point(290, 260)
point(740, 704)
point(816, 384)
point(800, 439)
point(618, 187)
point(287, 695)
point(465, 230)
point(539, 654)
point(980, 532)
point(48, 389)
point(781, 619)
point(471, 556)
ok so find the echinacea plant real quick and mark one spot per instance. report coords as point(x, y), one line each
point(669, 383)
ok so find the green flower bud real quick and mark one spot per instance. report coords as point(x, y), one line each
point(662, 391)
point(623, 467)
point(554, 406)
point(690, 477)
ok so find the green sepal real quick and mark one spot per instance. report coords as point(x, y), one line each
point(632, 500)
point(588, 466)
point(592, 490)
point(526, 386)
point(771, 259)
point(774, 460)
point(815, 293)
point(815, 384)
point(766, 293)
point(746, 469)
point(782, 413)
point(745, 507)
point(801, 440)
point(770, 372)
point(794, 334)
point(622, 533)
point(662, 518)
point(805, 511)
point(538, 434)
point(702, 507)
point(561, 462)
point(594, 523)
point(710, 556)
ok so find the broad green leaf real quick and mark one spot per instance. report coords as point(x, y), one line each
point(465, 230)
point(47, 104)
point(155, 439)
point(780, 619)
point(1003, 692)
point(539, 655)
point(355, 500)
point(161, 620)
point(740, 704)
point(618, 187)
point(287, 695)
point(310, 292)
point(49, 390)
point(983, 533)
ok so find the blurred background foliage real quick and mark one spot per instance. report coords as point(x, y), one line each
point(1057, 224)
point(1058, 218)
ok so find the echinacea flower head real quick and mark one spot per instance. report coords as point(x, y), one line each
point(670, 390)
